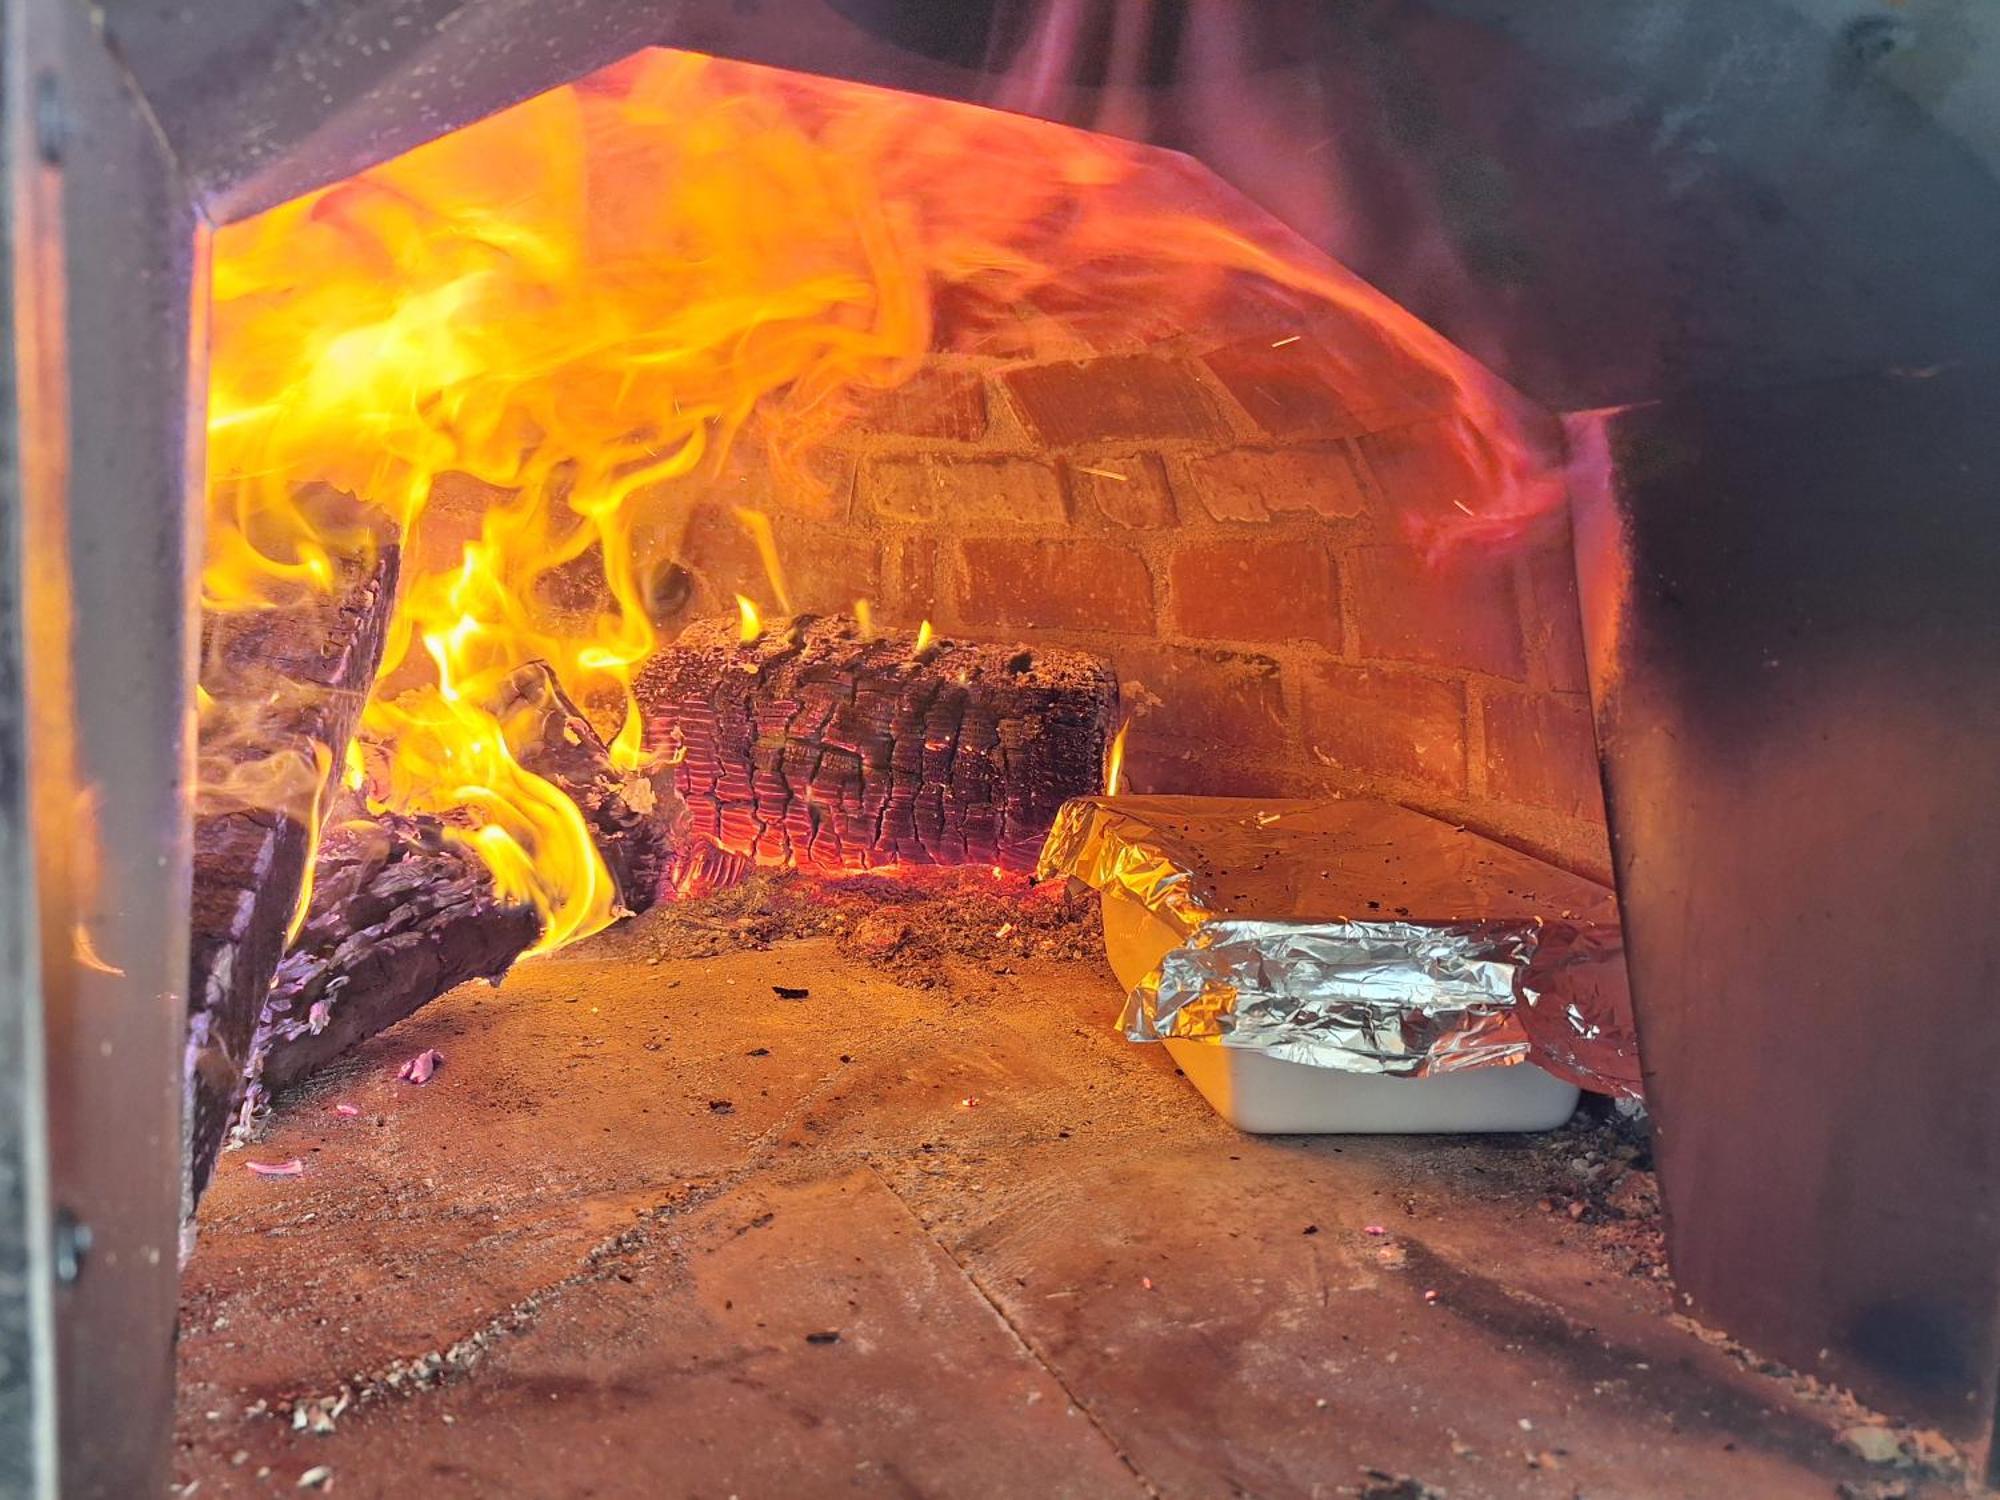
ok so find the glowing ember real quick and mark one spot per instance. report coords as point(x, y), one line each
point(578, 306)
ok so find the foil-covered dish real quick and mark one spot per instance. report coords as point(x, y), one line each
point(1352, 935)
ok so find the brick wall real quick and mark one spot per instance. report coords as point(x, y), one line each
point(1226, 523)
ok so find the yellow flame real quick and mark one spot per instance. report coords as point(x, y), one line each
point(750, 625)
point(322, 765)
point(759, 526)
point(1114, 761)
point(355, 773)
point(85, 951)
point(524, 348)
point(864, 618)
point(923, 635)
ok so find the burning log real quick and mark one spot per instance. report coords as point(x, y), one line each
point(632, 831)
point(402, 911)
point(820, 747)
point(285, 689)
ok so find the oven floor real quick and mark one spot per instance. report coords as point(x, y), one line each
point(654, 1230)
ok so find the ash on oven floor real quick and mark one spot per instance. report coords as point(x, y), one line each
point(556, 1270)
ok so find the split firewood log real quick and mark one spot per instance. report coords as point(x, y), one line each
point(402, 911)
point(284, 689)
point(821, 747)
point(632, 824)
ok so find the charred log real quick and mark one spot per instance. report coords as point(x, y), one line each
point(401, 912)
point(402, 909)
point(630, 822)
point(285, 689)
point(821, 748)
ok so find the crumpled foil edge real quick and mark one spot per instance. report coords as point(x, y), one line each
point(1402, 999)
point(1391, 998)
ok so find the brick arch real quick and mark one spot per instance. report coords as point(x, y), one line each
point(1218, 518)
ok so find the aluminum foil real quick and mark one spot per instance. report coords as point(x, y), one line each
point(1353, 935)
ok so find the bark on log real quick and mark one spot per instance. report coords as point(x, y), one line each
point(402, 913)
point(287, 687)
point(819, 748)
point(630, 821)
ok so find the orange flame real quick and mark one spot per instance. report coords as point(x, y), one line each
point(322, 764)
point(1114, 761)
point(576, 307)
point(759, 526)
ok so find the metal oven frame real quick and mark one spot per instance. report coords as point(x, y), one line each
point(1635, 200)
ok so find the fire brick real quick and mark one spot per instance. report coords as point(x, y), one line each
point(824, 570)
point(1079, 584)
point(1266, 589)
point(1387, 721)
point(1457, 613)
point(1541, 750)
point(1125, 491)
point(827, 571)
point(825, 492)
point(910, 577)
point(1118, 398)
point(1287, 388)
point(936, 402)
point(963, 491)
point(820, 486)
point(1199, 771)
point(452, 517)
point(1248, 484)
point(1206, 697)
point(722, 553)
point(1421, 471)
point(1555, 620)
